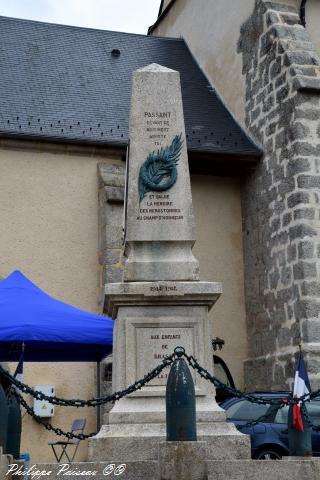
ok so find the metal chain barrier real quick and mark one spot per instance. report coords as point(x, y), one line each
point(178, 352)
point(263, 418)
point(167, 361)
point(306, 418)
point(95, 401)
point(48, 426)
point(233, 391)
point(78, 403)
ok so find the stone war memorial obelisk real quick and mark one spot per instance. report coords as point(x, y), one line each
point(161, 302)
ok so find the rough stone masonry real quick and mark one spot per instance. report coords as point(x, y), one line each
point(281, 198)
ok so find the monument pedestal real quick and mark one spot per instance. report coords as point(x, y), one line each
point(140, 442)
point(161, 303)
point(152, 319)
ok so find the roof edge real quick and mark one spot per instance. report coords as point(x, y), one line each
point(34, 142)
point(66, 25)
point(161, 15)
point(14, 141)
point(160, 8)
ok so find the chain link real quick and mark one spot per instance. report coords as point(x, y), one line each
point(79, 403)
point(306, 418)
point(262, 419)
point(233, 391)
point(95, 401)
point(48, 426)
point(179, 352)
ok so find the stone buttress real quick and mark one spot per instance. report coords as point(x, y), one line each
point(281, 199)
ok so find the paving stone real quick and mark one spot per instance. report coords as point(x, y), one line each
point(308, 181)
point(311, 330)
point(112, 256)
point(306, 250)
point(302, 270)
point(297, 165)
point(310, 289)
point(297, 198)
point(302, 231)
point(304, 213)
point(113, 274)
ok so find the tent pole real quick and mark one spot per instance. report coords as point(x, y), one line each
point(98, 395)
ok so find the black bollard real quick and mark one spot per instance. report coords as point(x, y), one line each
point(180, 402)
point(3, 419)
point(300, 443)
point(14, 427)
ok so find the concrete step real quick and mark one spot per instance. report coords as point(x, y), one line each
point(264, 469)
point(149, 470)
point(5, 460)
point(99, 470)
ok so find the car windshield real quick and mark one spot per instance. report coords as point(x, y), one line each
point(313, 409)
point(282, 415)
point(245, 410)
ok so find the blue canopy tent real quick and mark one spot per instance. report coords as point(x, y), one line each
point(49, 329)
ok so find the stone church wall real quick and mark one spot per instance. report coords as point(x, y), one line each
point(281, 198)
point(49, 230)
point(211, 30)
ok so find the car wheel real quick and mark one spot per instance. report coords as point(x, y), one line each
point(268, 454)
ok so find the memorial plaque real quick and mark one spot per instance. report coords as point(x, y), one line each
point(159, 225)
point(158, 342)
point(159, 205)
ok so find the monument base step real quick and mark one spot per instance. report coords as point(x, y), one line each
point(5, 460)
point(216, 470)
point(141, 441)
point(101, 470)
point(264, 469)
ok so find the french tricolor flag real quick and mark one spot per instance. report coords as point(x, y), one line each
point(301, 387)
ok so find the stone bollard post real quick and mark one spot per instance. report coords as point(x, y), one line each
point(180, 402)
point(300, 444)
point(181, 457)
point(5, 460)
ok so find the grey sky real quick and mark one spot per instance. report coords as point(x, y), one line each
point(121, 15)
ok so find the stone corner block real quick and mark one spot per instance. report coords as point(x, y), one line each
point(182, 460)
point(264, 470)
point(114, 194)
point(5, 460)
point(111, 175)
point(306, 84)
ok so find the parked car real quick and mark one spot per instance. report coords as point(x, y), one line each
point(269, 439)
